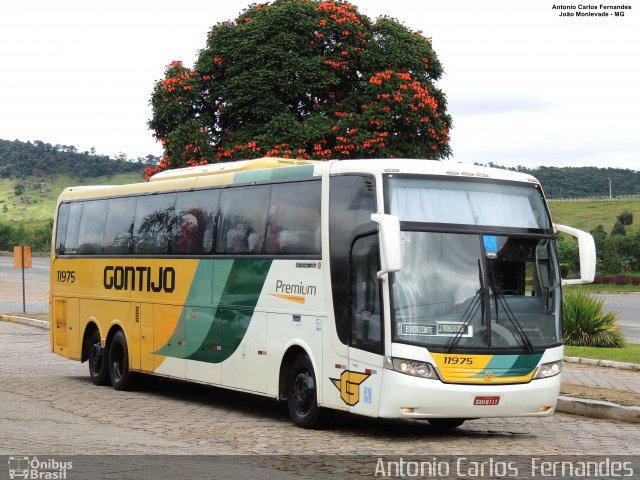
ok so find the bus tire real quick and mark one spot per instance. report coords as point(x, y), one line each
point(302, 395)
point(445, 423)
point(97, 359)
point(121, 377)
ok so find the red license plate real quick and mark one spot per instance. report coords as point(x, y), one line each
point(486, 400)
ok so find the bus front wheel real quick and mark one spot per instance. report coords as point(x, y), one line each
point(97, 360)
point(121, 377)
point(302, 395)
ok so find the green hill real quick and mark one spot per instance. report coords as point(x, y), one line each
point(38, 159)
point(34, 206)
point(587, 215)
point(583, 182)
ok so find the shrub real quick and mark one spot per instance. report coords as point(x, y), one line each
point(618, 229)
point(616, 279)
point(585, 323)
point(625, 218)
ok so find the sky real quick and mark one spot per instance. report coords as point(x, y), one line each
point(525, 86)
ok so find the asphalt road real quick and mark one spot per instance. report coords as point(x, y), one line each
point(628, 307)
point(40, 268)
point(36, 280)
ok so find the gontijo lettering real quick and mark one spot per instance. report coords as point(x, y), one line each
point(141, 279)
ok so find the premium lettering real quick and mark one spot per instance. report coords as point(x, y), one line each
point(295, 289)
point(141, 279)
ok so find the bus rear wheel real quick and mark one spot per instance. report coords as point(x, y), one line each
point(302, 395)
point(97, 360)
point(121, 377)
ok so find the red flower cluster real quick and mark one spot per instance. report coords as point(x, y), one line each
point(340, 12)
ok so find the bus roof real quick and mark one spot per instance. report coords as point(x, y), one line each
point(220, 168)
point(268, 168)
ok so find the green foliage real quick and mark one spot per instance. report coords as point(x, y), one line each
point(27, 219)
point(621, 253)
point(599, 237)
point(18, 189)
point(586, 324)
point(38, 238)
point(618, 229)
point(25, 159)
point(568, 253)
point(630, 353)
point(303, 79)
point(585, 182)
point(616, 254)
point(626, 217)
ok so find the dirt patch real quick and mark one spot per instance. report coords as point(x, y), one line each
point(628, 399)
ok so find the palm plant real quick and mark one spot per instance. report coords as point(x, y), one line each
point(586, 324)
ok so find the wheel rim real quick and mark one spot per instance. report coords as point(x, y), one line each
point(117, 362)
point(96, 359)
point(303, 391)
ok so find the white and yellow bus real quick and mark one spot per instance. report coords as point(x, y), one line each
point(388, 288)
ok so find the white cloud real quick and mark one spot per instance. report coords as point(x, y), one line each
point(524, 85)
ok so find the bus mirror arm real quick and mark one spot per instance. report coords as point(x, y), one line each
point(587, 250)
point(390, 243)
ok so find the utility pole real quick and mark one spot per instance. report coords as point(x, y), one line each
point(609, 188)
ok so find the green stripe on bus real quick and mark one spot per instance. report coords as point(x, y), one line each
point(511, 365)
point(234, 310)
point(216, 331)
point(264, 175)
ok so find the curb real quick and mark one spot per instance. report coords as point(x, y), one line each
point(603, 363)
point(571, 405)
point(598, 409)
point(26, 321)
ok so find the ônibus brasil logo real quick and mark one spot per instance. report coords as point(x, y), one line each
point(34, 468)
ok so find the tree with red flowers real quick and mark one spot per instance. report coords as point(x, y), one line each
point(303, 79)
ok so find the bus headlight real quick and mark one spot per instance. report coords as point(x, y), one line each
point(414, 368)
point(547, 370)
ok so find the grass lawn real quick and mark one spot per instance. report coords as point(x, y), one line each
point(630, 353)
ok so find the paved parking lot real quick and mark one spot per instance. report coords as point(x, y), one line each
point(49, 405)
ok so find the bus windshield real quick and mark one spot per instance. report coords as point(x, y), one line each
point(468, 203)
point(474, 289)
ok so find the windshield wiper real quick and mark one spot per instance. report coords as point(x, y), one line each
point(477, 302)
point(499, 297)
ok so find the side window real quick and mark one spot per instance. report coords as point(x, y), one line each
point(154, 224)
point(119, 226)
point(243, 216)
point(366, 315)
point(294, 219)
point(91, 227)
point(352, 200)
point(61, 227)
point(195, 222)
point(71, 235)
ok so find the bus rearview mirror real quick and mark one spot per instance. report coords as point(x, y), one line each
point(587, 251)
point(390, 242)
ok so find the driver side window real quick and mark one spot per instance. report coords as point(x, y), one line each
point(366, 308)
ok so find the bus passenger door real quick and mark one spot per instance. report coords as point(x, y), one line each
point(360, 385)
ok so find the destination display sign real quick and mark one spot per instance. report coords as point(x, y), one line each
point(437, 329)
